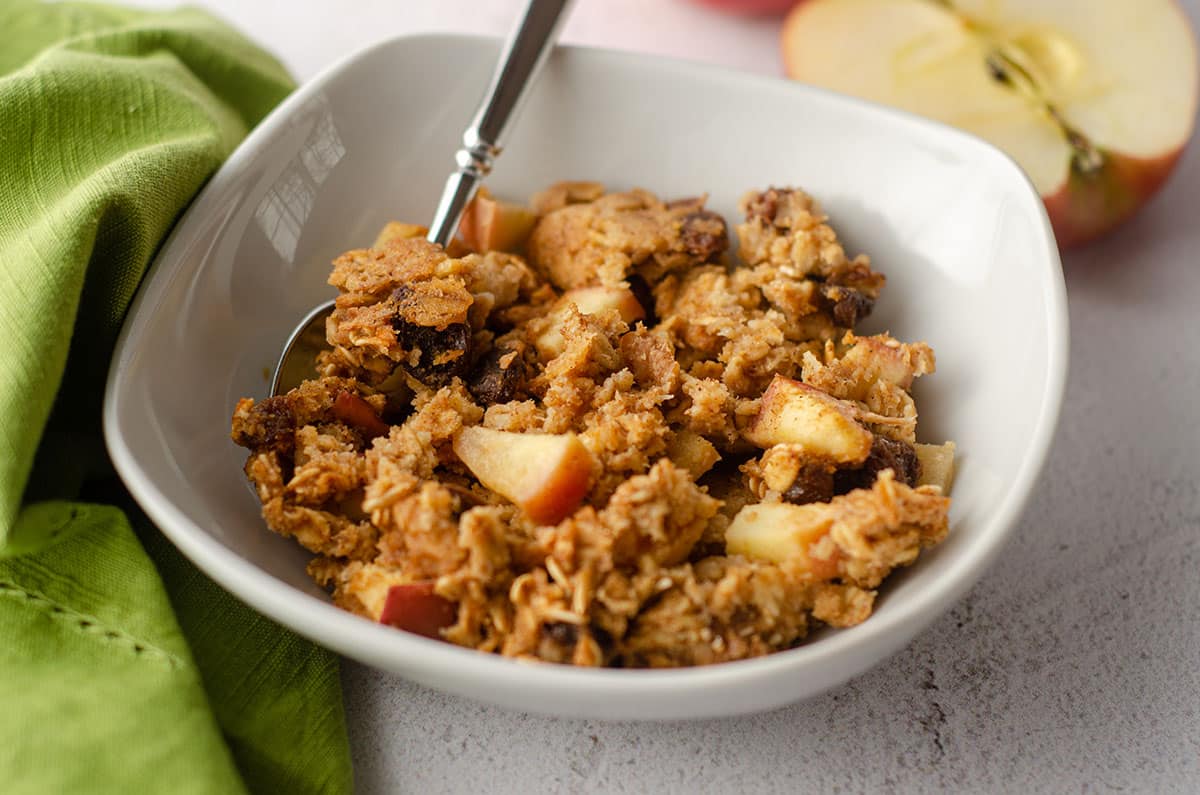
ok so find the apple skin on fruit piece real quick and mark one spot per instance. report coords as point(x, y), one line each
point(1091, 204)
point(1094, 99)
point(353, 410)
point(489, 224)
point(777, 531)
point(546, 475)
point(749, 7)
point(822, 426)
point(416, 608)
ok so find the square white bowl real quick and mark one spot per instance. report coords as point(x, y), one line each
point(964, 240)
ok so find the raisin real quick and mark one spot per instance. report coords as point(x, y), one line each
point(273, 424)
point(847, 305)
point(497, 377)
point(704, 235)
point(443, 353)
point(900, 457)
point(563, 633)
point(813, 483)
point(645, 296)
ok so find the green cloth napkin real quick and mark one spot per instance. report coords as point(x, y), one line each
point(122, 668)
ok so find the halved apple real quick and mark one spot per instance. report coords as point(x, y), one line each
point(489, 224)
point(413, 606)
point(778, 531)
point(1095, 99)
point(545, 474)
point(823, 427)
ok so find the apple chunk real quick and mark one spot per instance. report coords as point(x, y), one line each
point(778, 531)
point(589, 301)
point(489, 224)
point(691, 451)
point(1095, 100)
point(937, 465)
point(545, 474)
point(415, 607)
point(353, 410)
point(823, 427)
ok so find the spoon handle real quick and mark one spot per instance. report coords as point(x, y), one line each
point(523, 55)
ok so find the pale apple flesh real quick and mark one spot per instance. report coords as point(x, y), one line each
point(779, 531)
point(691, 451)
point(823, 427)
point(599, 298)
point(489, 224)
point(1094, 99)
point(545, 475)
point(589, 301)
point(416, 608)
point(937, 465)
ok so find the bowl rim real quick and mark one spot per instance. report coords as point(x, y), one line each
point(359, 638)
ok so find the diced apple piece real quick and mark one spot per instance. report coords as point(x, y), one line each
point(937, 465)
point(545, 474)
point(691, 451)
point(416, 608)
point(353, 410)
point(589, 301)
point(780, 532)
point(492, 225)
point(824, 427)
point(596, 299)
point(395, 230)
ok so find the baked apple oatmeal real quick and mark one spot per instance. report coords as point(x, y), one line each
point(587, 433)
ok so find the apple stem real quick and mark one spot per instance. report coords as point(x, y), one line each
point(1086, 159)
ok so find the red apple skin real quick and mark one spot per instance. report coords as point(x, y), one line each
point(561, 494)
point(1090, 205)
point(751, 7)
point(1086, 206)
point(416, 608)
point(353, 410)
point(546, 475)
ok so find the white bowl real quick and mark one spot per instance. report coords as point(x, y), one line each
point(971, 263)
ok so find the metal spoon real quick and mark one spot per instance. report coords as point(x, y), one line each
point(524, 53)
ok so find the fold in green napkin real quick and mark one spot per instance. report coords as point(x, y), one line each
point(122, 668)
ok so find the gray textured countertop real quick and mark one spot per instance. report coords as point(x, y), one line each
point(1073, 665)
